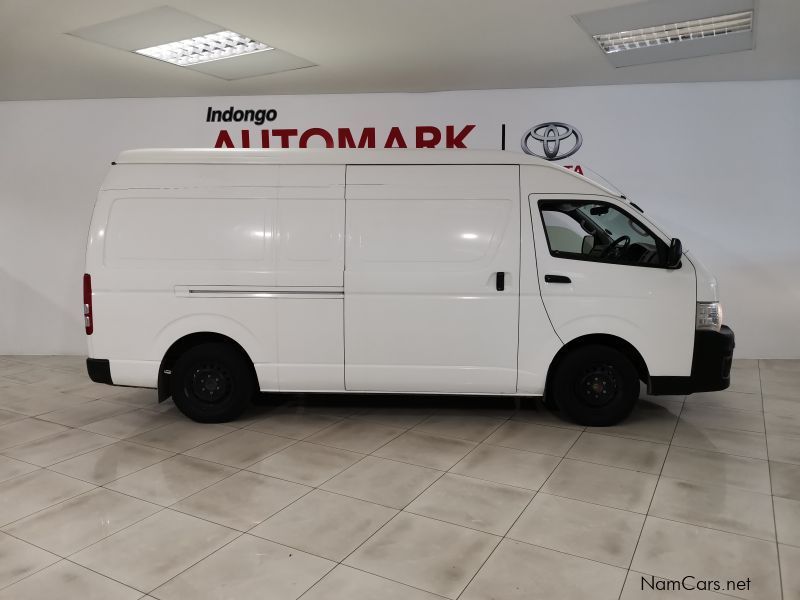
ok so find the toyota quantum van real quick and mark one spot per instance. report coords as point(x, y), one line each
point(212, 274)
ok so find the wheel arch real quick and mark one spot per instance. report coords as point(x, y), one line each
point(191, 340)
point(603, 339)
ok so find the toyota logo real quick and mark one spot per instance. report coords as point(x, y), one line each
point(547, 141)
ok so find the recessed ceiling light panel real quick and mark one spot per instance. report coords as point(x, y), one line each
point(664, 30)
point(181, 39)
point(672, 33)
point(205, 48)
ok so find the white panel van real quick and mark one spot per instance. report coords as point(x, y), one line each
point(212, 274)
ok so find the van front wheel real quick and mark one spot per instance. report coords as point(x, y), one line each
point(596, 386)
point(212, 383)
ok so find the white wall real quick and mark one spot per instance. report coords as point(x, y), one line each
point(715, 163)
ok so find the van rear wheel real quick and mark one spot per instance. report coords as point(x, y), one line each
point(596, 385)
point(212, 383)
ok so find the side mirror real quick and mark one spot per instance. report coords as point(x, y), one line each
point(674, 253)
point(588, 244)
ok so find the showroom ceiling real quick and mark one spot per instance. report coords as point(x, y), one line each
point(365, 46)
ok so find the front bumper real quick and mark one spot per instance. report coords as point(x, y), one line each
point(99, 370)
point(711, 366)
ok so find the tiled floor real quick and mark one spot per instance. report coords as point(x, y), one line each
point(105, 494)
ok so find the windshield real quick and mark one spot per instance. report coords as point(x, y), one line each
point(615, 223)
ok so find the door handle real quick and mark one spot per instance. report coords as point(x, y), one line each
point(500, 281)
point(557, 279)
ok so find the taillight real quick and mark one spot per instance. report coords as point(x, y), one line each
point(88, 319)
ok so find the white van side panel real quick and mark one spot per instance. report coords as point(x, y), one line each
point(310, 249)
point(254, 253)
point(424, 246)
point(183, 232)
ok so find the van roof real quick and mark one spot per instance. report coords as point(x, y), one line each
point(238, 156)
point(325, 156)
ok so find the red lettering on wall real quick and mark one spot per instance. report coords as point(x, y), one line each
point(457, 141)
point(576, 168)
point(284, 135)
point(223, 140)
point(367, 139)
point(424, 136)
point(395, 137)
point(428, 137)
point(316, 132)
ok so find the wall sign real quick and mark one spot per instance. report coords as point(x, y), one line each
point(552, 140)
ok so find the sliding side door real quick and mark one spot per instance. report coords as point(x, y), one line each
point(432, 278)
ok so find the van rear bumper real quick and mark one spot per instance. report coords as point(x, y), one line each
point(99, 370)
point(711, 366)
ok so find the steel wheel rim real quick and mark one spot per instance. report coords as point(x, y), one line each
point(209, 383)
point(598, 385)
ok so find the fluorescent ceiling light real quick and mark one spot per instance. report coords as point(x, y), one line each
point(205, 48)
point(672, 33)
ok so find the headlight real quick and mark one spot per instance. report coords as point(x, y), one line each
point(709, 316)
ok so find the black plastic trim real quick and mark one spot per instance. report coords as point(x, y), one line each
point(669, 386)
point(99, 370)
point(557, 279)
point(711, 366)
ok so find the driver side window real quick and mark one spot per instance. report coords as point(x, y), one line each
point(598, 231)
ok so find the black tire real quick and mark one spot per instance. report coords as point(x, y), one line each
point(212, 383)
point(549, 401)
point(596, 386)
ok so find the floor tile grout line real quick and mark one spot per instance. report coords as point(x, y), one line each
point(519, 516)
point(247, 467)
point(60, 556)
point(235, 469)
point(706, 482)
point(544, 483)
point(312, 489)
point(173, 455)
point(72, 427)
point(399, 511)
point(769, 471)
point(406, 462)
point(161, 510)
point(94, 488)
point(341, 564)
point(67, 558)
point(130, 587)
point(602, 464)
point(239, 532)
point(736, 533)
point(500, 423)
point(299, 439)
point(60, 560)
point(720, 451)
point(581, 500)
point(4, 586)
point(70, 457)
point(116, 441)
point(652, 497)
point(148, 592)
